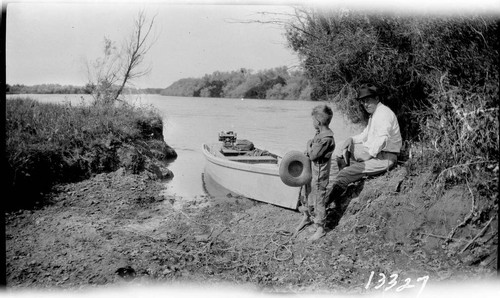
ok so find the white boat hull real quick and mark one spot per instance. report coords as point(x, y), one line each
point(257, 181)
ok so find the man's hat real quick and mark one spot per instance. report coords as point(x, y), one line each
point(367, 90)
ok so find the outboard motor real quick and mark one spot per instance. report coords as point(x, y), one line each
point(228, 138)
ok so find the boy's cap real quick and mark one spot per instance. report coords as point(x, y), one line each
point(367, 90)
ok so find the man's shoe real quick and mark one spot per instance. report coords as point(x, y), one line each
point(341, 163)
point(320, 232)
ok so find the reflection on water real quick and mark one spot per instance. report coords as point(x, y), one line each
point(213, 188)
point(274, 125)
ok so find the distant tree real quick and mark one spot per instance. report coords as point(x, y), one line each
point(236, 78)
point(276, 83)
point(276, 92)
point(295, 86)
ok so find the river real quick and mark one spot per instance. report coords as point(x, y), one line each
point(274, 125)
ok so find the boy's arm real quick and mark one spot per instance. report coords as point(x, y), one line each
point(320, 148)
point(308, 147)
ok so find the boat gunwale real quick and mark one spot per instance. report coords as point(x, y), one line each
point(268, 169)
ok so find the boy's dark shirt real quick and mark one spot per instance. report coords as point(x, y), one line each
point(321, 147)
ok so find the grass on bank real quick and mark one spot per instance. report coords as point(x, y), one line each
point(49, 143)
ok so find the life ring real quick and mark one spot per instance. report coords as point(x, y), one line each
point(295, 169)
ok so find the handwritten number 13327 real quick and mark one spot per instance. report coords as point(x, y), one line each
point(392, 282)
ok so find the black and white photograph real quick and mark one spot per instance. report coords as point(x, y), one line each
point(250, 148)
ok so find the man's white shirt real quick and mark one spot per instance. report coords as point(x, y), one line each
point(382, 132)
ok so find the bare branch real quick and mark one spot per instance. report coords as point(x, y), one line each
point(119, 67)
point(136, 50)
point(298, 16)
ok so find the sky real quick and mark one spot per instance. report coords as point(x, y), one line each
point(53, 41)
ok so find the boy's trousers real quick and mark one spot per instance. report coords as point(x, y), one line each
point(316, 193)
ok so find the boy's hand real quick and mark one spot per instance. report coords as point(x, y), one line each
point(347, 143)
point(363, 156)
point(308, 147)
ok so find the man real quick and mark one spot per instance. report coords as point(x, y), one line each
point(374, 150)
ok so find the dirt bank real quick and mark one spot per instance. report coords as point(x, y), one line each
point(120, 226)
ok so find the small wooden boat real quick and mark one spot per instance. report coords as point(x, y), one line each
point(254, 177)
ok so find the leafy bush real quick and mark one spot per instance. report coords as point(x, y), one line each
point(342, 49)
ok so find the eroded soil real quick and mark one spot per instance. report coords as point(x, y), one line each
point(119, 227)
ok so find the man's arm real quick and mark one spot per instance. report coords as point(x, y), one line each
point(361, 137)
point(381, 131)
point(357, 139)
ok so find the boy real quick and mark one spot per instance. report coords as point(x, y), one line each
point(319, 150)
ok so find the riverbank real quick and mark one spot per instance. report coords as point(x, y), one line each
point(49, 144)
point(120, 226)
point(117, 228)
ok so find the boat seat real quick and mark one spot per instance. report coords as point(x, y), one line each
point(232, 152)
point(253, 159)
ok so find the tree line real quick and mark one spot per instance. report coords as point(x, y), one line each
point(69, 89)
point(275, 83)
point(45, 89)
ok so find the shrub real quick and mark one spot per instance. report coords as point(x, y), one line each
point(461, 133)
point(341, 49)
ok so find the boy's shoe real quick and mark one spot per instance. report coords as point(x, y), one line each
point(311, 229)
point(347, 157)
point(320, 232)
point(305, 221)
point(332, 206)
point(303, 209)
